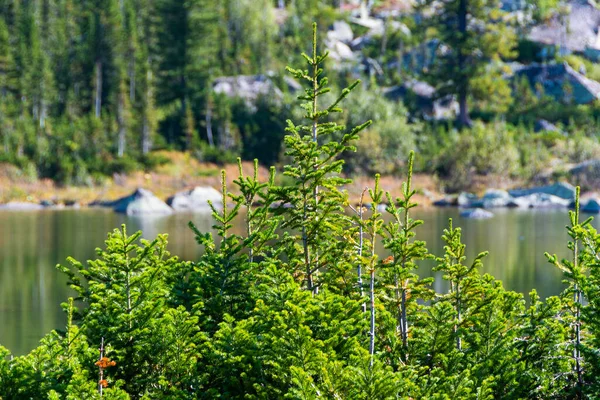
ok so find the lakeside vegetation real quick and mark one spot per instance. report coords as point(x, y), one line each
point(301, 306)
point(91, 89)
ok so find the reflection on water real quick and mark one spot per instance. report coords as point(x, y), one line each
point(32, 243)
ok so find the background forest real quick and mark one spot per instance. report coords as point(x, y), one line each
point(93, 88)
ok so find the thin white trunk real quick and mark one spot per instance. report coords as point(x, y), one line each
point(98, 97)
point(209, 132)
point(146, 130)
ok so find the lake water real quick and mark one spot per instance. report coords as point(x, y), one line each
point(32, 243)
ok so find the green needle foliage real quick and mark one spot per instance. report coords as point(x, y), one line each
point(314, 203)
point(402, 285)
point(313, 298)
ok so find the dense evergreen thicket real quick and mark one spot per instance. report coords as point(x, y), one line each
point(302, 306)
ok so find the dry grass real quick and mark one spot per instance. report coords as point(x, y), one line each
point(425, 186)
point(184, 172)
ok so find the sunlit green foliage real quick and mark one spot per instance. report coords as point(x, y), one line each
point(303, 305)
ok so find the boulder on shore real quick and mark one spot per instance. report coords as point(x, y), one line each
point(539, 200)
point(562, 190)
point(196, 199)
point(476, 213)
point(592, 206)
point(140, 202)
point(446, 201)
point(493, 198)
point(465, 199)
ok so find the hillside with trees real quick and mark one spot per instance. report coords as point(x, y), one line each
point(89, 89)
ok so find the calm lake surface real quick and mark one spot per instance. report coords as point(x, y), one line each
point(32, 243)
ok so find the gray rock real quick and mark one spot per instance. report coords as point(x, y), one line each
point(476, 213)
point(562, 190)
point(587, 173)
point(196, 199)
point(140, 202)
point(341, 31)
point(247, 87)
point(446, 201)
point(465, 199)
point(541, 125)
point(21, 206)
point(375, 26)
point(539, 200)
point(592, 206)
point(339, 51)
point(493, 198)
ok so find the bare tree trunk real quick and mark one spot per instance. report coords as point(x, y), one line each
point(404, 322)
point(463, 116)
point(121, 122)
point(577, 297)
point(384, 40)
point(146, 130)
point(372, 327)
point(98, 102)
point(209, 132)
point(463, 111)
point(101, 370)
point(458, 317)
point(577, 351)
point(360, 249)
point(132, 80)
point(43, 113)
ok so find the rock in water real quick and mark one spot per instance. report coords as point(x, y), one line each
point(592, 206)
point(560, 189)
point(493, 198)
point(141, 202)
point(465, 199)
point(476, 213)
point(446, 201)
point(539, 200)
point(20, 206)
point(196, 199)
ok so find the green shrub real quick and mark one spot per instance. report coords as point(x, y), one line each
point(482, 150)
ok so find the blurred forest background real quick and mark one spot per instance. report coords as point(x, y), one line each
point(483, 90)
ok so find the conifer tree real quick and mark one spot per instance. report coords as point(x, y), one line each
point(471, 37)
point(463, 279)
point(402, 285)
point(315, 199)
point(575, 271)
